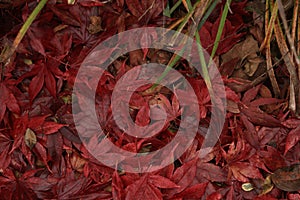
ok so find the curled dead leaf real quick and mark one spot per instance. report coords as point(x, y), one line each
point(247, 187)
point(95, 26)
point(267, 186)
point(251, 64)
point(241, 50)
point(262, 187)
point(77, 162)
point(30, 138)
point(232, 107)
point(287, 178)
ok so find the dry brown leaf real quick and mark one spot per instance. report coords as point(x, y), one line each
point(95, 26)
point(30, 138)
point(232, 107)
point(77, 162)
point(246, 51)
point(261, 186)
point(241, 50)
point(287, 178)
point(252, 64)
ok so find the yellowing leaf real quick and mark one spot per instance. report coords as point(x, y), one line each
point(30, 138)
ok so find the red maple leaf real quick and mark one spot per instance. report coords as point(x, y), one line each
point(42, 75)
point(147, 187)
point(24, 186)
point(145, 10)
point(7, 100)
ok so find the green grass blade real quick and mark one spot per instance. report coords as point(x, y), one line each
point(220, 30)
point(207, 13)
point(204, 67)
point(5, 55)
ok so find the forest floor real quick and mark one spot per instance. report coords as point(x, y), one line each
point(129, 99)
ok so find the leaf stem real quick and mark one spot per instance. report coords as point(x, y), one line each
point(6, 55)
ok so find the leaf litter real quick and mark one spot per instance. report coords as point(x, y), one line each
point(42, 157)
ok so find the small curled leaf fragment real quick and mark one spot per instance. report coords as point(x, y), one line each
point(261, 186)
point(247, 187)
point(95, 26)
point(7, 54)
point(30, 138)
point(71, 2)
point(267, 186)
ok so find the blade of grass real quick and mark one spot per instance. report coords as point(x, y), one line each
point(188, 16)
point(198, 14)
point(170, 65)
point(268, 49)
point(287, 32)
point(220, 30)
point(298, 37)
point(294, 24)
point(7, 54)
point(187, 4)
point(270, 27)
point(288, 59)
point(204, 67)
point(176, 57)
point(175, 6)
point(207, 13)
point(296, 64)
point(166, 11)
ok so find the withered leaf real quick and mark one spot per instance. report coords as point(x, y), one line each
point(261, 186)
point(287, 178)
point(36, 107)
point(292, 139)
point(95, 26)
point(30, 138)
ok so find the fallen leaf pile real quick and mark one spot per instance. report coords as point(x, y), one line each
point(42, 156)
